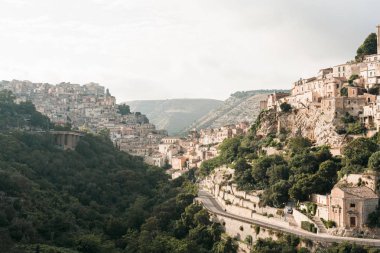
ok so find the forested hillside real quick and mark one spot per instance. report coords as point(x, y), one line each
point(95, 199)
point(19, 116)
point(299, 168)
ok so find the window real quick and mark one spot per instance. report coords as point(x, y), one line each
point(352, 205)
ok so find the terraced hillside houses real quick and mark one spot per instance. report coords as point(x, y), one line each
point(90, 108)
point(349, 88)
point(183, 153)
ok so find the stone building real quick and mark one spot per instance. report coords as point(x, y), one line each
point(342, 88)
point(179, 163)
point(350, 205)
point(272, 100)
point(350, 201)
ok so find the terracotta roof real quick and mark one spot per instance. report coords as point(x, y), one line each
point(360, 191)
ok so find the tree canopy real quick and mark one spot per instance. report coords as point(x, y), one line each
point(20, 116)
point(358, 151)
point(374, 161)
point(368, 47)
point(124, 109)
point(93, 199)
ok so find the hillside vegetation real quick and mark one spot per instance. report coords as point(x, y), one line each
point(299, 169)
point(95, 199)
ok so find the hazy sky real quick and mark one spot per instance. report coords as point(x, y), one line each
point(156, 49)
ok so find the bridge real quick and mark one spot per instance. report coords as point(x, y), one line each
point(66, 139)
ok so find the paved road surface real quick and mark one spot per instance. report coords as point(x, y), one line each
point(213, 206)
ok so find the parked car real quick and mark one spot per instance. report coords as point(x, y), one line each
point(289, 210)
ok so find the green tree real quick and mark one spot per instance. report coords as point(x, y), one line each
point(209, 165)
point(277, 194)
point(115, 228)
point(285, 107)
point(229, 149)
point(328, 170)
point(260, 169)
point(124, 109)
point(358, 151)
point(298, 145)
point(241, 165)
point(225, 246)
point(344, 92)
point(374, 161)
point(368, 47)
point(6, 97)
point(89, 244)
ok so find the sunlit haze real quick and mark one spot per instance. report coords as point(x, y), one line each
point(150, 49)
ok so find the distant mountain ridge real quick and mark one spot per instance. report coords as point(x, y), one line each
point(174, 114)
point(240, 106)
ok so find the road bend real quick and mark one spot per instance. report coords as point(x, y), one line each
point(210, 203)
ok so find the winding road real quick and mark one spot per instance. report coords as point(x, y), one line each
point(213, 207)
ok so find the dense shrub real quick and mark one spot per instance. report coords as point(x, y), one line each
point(305, 225)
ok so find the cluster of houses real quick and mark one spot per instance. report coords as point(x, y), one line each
point(89, 108)
point(180, 154)
point(346, 88)
point(351, 88)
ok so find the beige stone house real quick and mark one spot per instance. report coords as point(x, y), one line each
point(350, 206)
point(350, 202)
point(179, 163)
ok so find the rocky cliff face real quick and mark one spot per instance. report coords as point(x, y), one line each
point(240, 106)
point(312, 123)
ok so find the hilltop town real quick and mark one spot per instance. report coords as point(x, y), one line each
point(339, 101)
point(309, 162)
point(295, 168)
point(92, 108)
point(89, 108)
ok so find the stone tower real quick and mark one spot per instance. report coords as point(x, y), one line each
point(378, 39)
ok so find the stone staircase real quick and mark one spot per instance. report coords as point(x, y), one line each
point(320, 225)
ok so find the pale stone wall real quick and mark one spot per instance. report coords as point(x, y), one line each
point(322, 212)
point(336, 205)
point(346, 70)
point(299, 217)
point(319, 199)
point(240, 230)
point(242, 203)
point(322, 202)
point(272, 151)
